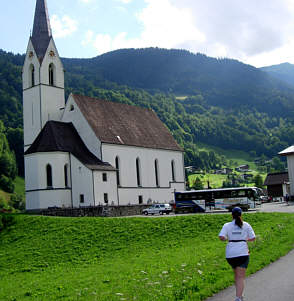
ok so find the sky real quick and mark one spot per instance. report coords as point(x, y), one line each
point(256, 32)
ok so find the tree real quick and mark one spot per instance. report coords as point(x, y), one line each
point(198, 185)
point(258, 181)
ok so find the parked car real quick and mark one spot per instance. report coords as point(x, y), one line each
point(265, 198)
point(158, 209)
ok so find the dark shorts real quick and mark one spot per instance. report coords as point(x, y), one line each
point(241, 262)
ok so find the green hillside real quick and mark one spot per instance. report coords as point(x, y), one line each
point(219, 102)
point(283, 72)
point(87, 259)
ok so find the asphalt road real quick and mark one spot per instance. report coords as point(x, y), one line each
point(273, 283)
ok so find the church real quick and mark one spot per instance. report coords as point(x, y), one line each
point(87, 151)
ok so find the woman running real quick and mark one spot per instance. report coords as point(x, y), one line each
point(237, 233)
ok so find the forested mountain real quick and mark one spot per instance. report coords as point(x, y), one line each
point(283, 72)
point(223, 102)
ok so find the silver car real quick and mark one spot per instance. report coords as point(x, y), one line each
point(158, 209)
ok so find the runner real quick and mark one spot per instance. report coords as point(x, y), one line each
point(237, 233)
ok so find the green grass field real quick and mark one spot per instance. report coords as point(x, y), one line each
point(175, 258)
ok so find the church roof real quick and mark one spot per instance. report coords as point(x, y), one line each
point(123, 124)
point(277, 178)
point(41, 30)
point(287, 151)
point(63, 137)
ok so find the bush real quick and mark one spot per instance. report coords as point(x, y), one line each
point(6, 184)
point(6, 221)
point(17, 201)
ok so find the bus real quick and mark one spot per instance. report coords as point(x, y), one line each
point(222, 198)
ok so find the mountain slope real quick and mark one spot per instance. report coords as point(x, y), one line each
point(223, 82)
point(283, 72)
point(226, 103)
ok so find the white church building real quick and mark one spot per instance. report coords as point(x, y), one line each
point(87, 151)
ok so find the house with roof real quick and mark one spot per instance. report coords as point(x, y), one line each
point(289, 154)
point(87, 151)
point(277, 184)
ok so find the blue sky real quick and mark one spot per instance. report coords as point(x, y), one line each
point(259, 33)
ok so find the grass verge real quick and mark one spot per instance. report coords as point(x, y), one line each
point(176, 258)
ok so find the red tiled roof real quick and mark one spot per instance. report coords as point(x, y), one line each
point(118, 123)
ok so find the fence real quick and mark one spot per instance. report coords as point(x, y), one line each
point(102, 211)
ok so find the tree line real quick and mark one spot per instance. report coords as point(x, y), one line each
point(227, 104)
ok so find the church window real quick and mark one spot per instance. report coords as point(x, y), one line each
point(156, 173)
point(138, 167)
point(82, 198)
point(140, 199)
point(49, 175)
point(173, 170)
point(66, 175)
point(106, 198)
point(51, 74)
point(117, 171)
point(104, 177)
point(32, 75)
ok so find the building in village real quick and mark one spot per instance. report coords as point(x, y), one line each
point(88, 151)
point(289, 153)
point(277, 185)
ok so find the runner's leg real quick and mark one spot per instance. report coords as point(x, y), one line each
point(240, 274)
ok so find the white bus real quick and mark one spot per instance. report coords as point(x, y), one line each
point(221, 198)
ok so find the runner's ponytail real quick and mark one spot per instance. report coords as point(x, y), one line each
point(236, 213)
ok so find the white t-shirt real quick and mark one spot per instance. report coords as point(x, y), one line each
point(233, 232)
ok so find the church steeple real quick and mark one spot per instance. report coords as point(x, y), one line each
point(42, 29)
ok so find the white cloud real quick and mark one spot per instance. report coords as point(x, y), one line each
point(89, 36)
point(241, 30)
point(254, 32)
point(164, 25)
point(63, 27)
point(86, 1)
point(125, 1)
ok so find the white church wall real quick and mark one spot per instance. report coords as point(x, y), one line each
point(30, 59)
point(290, 161)
point(41, 102)
point(155, 195)
point(52, 57)
point(53, 101)
point(38, 194)
point(108, 187)
point(31, 112)
point(48, 198)
point(129, 191)
point(82, 183)
point(73, 114)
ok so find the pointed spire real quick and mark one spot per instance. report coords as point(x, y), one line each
point(42, 29)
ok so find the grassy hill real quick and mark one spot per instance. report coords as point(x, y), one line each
point(87, 259)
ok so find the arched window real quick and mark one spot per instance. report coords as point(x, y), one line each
point(138, 167)
point(32, 75)
point(51, 74)
point(156, 173)
point(117, 171)
point(66, 175)
point(49, 175)
point(173, 171)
